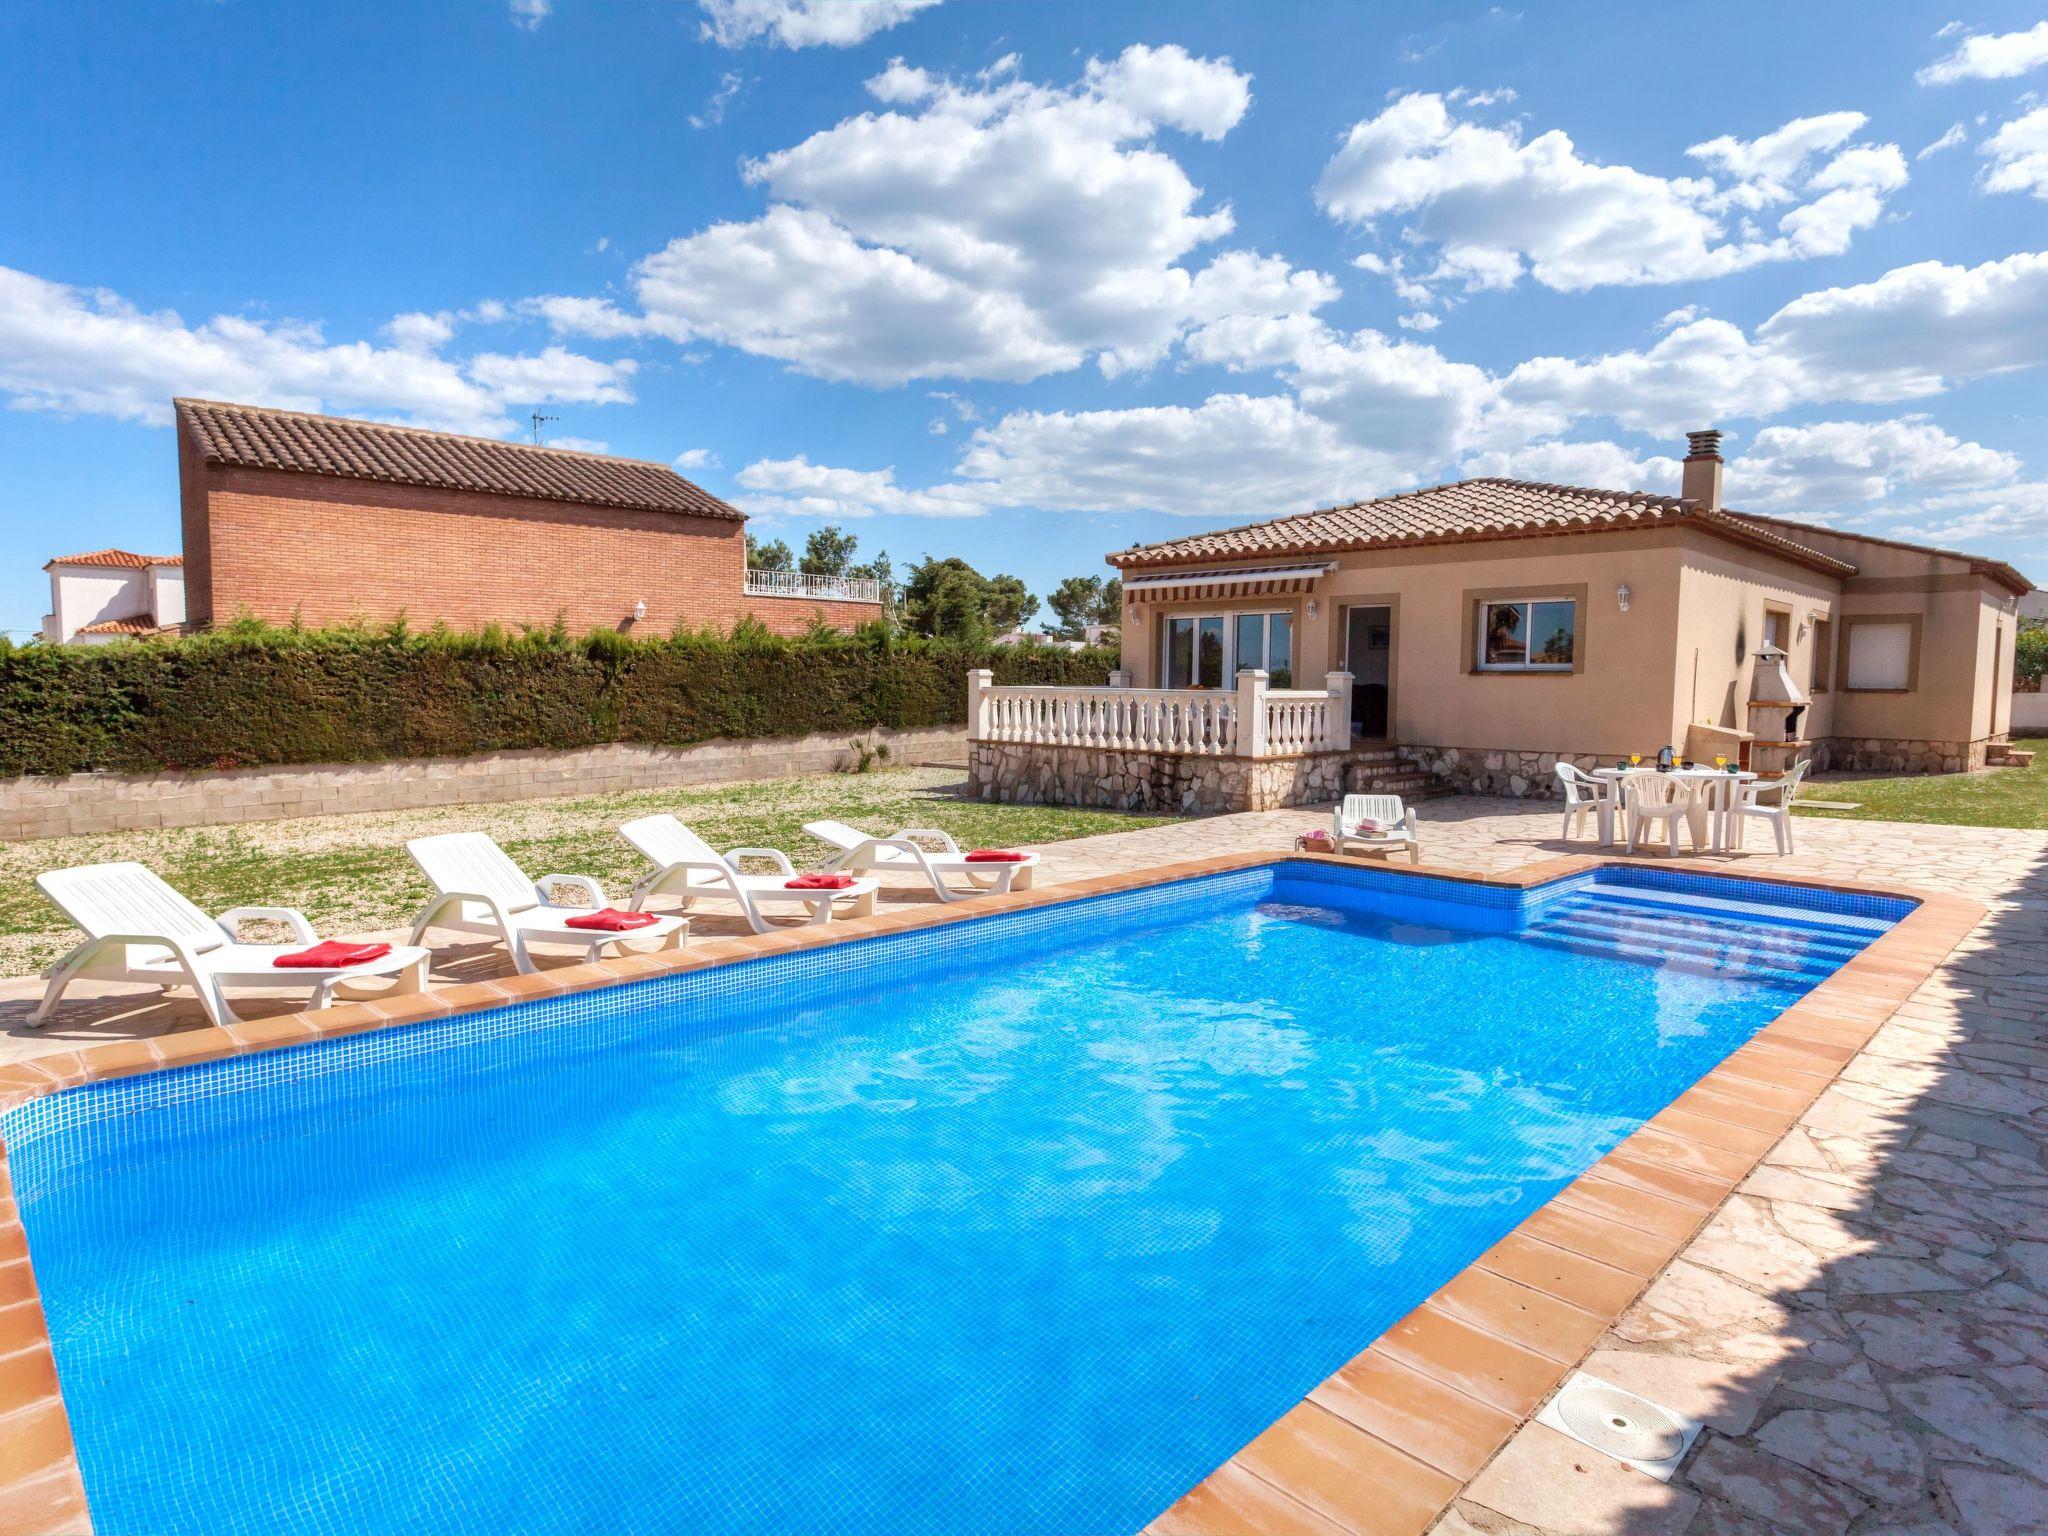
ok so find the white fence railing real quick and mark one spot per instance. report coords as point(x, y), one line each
point(1250, 720)
point(824, 589)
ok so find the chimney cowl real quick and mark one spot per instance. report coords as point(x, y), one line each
point(1700, 474)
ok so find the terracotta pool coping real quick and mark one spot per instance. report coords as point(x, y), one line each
point(1382, 1446)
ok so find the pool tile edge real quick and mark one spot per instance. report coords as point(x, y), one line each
point(1299, 1481)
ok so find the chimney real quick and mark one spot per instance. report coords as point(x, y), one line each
point(1702, 480)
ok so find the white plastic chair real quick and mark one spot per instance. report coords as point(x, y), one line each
point(904, 849)
point(478, 889)
point(688, 867)
point(1397, 819)
point(1769, 800)
point(1649, 797)
point(138, 928)
point(1583, 793)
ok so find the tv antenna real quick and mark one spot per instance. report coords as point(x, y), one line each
point(537, 420)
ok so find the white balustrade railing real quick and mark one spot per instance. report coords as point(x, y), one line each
point(1250, 720)
point(1297, 721)
point(825, 589)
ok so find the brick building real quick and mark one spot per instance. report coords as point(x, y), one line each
point(329, 520)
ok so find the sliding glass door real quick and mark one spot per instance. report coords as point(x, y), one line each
point(1194, 652)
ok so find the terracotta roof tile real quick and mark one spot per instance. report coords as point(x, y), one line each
point(1465, 510)
point(123, 558)
point(143, 626)
point(256, 437)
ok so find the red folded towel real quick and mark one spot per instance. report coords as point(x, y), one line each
point(331, 952)
point(819, 883)
point(996, 856)
point(611, 920)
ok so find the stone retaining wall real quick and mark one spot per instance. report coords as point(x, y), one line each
point(110, 802)
point(1021, 774)
point(1533, 775)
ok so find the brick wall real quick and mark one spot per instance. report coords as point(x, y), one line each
point(277, 544)
point(122, 802)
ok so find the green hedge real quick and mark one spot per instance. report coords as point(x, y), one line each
point(249, 698)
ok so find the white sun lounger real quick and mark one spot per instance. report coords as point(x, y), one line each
point(863, 851)
point(478, 889)
point(687, 867)
point(138, 928)
point(1397, 830)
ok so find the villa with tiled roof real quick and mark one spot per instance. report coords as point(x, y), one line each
point(1493, 626)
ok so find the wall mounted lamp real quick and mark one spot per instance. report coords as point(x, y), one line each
point(1621, 596)
point(640, 609)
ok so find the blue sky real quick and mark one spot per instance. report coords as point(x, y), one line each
point(1027, 280)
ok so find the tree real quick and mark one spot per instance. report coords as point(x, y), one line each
point(1083, 600)
point(1010, 605)
point(951, 599)
point(877, 569)
point(2030, 652)
point(772, 556)
point(828, 552)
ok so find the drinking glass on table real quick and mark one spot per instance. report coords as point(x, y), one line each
point(1635, 759)
point(1721, 760)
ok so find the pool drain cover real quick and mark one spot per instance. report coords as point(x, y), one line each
point(1620, 1424)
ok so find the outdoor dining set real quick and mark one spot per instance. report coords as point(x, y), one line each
point(1631, 801)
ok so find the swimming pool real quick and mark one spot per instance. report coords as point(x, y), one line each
point(1019, 1224)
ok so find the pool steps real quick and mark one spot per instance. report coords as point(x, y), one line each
point(1681, 937)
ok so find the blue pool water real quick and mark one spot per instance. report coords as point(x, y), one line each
point(1020, 1225)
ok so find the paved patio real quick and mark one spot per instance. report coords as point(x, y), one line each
point(1863, 1325)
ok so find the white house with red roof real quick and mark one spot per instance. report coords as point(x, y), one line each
point(113, 594)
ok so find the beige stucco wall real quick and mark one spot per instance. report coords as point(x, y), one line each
point(1726, 592)
point(1619, 698)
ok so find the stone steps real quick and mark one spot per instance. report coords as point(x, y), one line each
point(1389, 771)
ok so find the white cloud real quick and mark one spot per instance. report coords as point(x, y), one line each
point(1685, 314)
point(1953, 135)
point(567, 314)
point(2019, 155)
point(797, 487)
point(554, 373)
point(696, 458)
point(803, 23)
point(529, 14)
point(729, 86)
point(1421, 321)
point(417, 332)
point(1913, 332)
point(1170, 86)
point(579, 444)
point(1603, 465)
point(994, 229)
point(91, 351)
point(1852, 465)
point(1990, 57)
point(1491, 205)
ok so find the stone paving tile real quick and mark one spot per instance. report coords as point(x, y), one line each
point(1863, 1325)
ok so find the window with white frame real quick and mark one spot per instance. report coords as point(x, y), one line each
point(1537, 634)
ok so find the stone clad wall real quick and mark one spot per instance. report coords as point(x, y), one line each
point(1533, 775)
point(116, 802)
point(1022, 774)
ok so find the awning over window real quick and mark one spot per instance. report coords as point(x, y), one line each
point(1217, 584)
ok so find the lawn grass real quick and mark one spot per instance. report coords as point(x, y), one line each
point(1997, 797)
point(350, 874)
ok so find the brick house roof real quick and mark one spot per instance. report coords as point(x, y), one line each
point(121, 558)
point(257, 437)
point(142, 626)
point(1469, 511)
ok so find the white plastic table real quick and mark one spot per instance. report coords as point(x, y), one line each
point(1716, 785)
